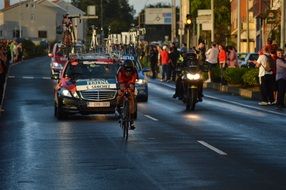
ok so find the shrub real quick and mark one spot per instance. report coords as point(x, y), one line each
point(250, 77)
point(234, 75)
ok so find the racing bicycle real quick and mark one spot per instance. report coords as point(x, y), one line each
point(125, 119)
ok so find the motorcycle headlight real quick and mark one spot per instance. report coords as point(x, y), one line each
point(196, 76)
point(141, 81)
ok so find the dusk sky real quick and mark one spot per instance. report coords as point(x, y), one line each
point(140, 4)
point(137, 4)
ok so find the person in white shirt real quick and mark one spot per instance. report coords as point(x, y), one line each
point(266, 79)
point(212, 60)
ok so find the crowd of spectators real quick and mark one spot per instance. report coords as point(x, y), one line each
point(10, 52)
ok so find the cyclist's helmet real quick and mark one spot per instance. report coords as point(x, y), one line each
point(128, 65)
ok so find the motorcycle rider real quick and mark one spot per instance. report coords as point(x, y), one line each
point(190, 58)
point(126, 78)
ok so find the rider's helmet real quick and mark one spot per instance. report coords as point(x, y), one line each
point(190, 58)
point(128, 65)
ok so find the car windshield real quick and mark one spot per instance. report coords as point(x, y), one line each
point(253, 56)
point(91, 70)
point(241, 56)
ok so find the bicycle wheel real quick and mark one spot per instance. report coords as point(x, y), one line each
point(125, 119)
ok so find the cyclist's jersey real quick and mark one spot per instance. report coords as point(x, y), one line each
point(122, 78)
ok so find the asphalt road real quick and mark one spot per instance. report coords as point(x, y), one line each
point(227, 143)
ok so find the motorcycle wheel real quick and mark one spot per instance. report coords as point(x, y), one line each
point(194, 98)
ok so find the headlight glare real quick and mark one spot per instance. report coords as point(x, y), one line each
point(140, 81)
point(196, 76)
point(65, 92)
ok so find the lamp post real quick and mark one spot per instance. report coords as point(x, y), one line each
point(188, 26)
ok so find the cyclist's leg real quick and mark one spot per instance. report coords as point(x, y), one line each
point(119, 101)
point(131, 100)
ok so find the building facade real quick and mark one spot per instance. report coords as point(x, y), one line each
point(35, 20)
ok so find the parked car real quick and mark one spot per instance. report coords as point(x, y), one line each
point(58, 60)
point(87, 85)
point(246, 59)
point(142, 82)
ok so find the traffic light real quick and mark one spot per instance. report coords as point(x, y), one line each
point(188, 21)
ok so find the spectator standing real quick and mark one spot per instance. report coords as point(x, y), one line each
point(3, 69)
point(232, 58)
point(154, 61)
point(280, 78)
point(20, 52)
point(165, 62)
point(222, 58)
point(174, 56)
point(212, 59)
point(265, 78)
point(201, 53)
point(183, 48)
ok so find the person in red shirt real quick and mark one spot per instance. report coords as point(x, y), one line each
point(165, 62)
point(222, 57)
point(126, 78)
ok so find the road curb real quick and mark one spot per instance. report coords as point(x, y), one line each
point(234, 90)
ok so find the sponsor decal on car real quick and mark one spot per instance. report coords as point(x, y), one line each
point(94, 84)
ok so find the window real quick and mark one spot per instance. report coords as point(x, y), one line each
point(42, 34)
point(16, 33)
point(32, 17)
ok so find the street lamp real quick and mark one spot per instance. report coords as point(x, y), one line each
point(188, 26)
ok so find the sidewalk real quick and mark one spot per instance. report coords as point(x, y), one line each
point(251, 93)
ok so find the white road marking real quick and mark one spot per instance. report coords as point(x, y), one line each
point(27, 77)
point(212, 148)
point(150, 117)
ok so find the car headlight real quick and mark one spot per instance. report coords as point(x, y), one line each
point(196, 76)
point(141, 81)
point(57, 65)
point(67, 93)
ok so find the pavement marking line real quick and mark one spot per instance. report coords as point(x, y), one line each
point(11, 77)
point(46, 78)
point(212, 148)
point(150, 117)
point(27, 77)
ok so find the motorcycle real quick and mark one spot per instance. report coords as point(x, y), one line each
point(192, 82)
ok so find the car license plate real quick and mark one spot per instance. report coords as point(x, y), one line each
point(98, 104)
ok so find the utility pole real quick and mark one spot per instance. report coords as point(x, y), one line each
point(247, 21)
point(282, 32)
point(212, 20)
point(173, 35)
point(101, 24)
point(180, 24)
point(238, 26)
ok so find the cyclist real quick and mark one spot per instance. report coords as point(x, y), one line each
point(126, 78)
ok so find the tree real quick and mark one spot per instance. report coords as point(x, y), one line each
point(116, 14)
point(222, 14)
